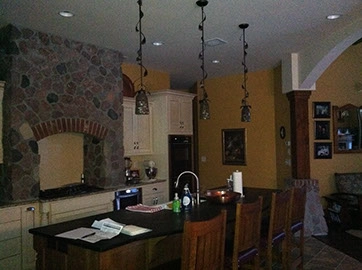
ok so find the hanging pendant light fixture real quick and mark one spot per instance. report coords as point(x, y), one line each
point(204, 102)
point(245, 107)
point(141, 95)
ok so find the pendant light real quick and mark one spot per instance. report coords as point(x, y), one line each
point(141, 96)
point(204, 102)
point(245, 107)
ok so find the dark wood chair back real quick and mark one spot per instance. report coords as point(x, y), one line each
point(203, 244)
point(279, 214)
point(278, 226)
point(296, 224)
point(247, 234)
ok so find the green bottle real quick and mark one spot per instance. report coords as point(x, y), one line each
point(176, 205)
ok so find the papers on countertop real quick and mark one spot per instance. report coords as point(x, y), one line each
point(101, 230)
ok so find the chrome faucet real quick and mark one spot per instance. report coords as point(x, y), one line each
point(197, 184)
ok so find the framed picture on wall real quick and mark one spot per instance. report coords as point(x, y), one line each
point(321, 109)
point(234, 146)
point(322, 130)
point(323, 150)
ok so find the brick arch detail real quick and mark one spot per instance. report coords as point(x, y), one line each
point(61, 125)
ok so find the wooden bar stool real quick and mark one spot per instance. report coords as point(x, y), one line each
point(296, 224)
point(246, 245)
point(203, 244)
point(276, 234)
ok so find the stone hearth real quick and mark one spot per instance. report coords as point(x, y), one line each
point(56, 85)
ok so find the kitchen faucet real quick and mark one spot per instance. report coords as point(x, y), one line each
point(197, 184)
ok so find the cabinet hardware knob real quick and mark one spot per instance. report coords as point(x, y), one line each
point(155, 189)
point(31, 208)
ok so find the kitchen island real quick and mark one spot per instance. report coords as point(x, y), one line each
point(142, 251)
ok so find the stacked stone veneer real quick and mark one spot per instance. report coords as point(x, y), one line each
point(56, 85)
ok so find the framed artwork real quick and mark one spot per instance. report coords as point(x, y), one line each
point(322, 130)
point(234, 146)
point(321, 109)
point(322, 150)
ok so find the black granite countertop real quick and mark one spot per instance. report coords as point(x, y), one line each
point(113, 189)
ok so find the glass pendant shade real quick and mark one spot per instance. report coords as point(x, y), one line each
point(141, 103)
point(204, 109)
point(245, 113)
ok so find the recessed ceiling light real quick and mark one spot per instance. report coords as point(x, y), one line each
point(66, 14)
point(215, 61)
point(333, 16)
point(157, 43)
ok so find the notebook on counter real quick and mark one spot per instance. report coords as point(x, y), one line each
point(134, 230)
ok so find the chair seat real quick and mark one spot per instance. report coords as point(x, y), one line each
point(296, 227)
point(247, 255)
point(278, 238)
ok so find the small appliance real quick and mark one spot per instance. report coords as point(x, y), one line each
point(127, 170)
point(151, 170)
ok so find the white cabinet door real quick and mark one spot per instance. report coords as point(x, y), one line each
point(29, 219)
point(186, 115)
point(83, 206)
point(10, 238)
point(128, 128)
point(155, 193)
point(180, 115)
point(16, 243)
point(137, 136)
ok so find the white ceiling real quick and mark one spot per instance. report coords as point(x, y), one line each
point(277, 27)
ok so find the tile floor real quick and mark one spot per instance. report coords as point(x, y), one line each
point(323, 257)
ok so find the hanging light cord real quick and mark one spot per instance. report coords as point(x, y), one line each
point(245, 68)
point(142, 41)
point(202, 53)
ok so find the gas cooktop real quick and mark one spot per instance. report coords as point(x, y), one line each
point(68, 190)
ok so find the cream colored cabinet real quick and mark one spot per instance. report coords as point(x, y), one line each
point(180, 115)
point(137, 130)
point(172, 115)
point(155, 193)
point(173, 112)
point(16, 243)
point(63, 210)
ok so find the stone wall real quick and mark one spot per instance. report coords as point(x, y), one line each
point(55, 85)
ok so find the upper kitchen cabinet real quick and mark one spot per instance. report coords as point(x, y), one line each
point(176, 107)
point(137, 130)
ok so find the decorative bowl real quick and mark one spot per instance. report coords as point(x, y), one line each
point(222, 196)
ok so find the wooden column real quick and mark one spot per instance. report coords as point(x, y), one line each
point(299, 123)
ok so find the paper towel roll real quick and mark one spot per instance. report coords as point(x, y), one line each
point(238, 181)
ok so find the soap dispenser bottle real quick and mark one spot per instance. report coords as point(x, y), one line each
point(176, 204)
point(186, 200)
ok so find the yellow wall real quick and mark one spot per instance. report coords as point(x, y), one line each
point(282, 119)
point(155, 80)
point(225, 95)
point(337, 85)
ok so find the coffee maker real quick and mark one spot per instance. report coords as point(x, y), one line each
point(127, 170)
